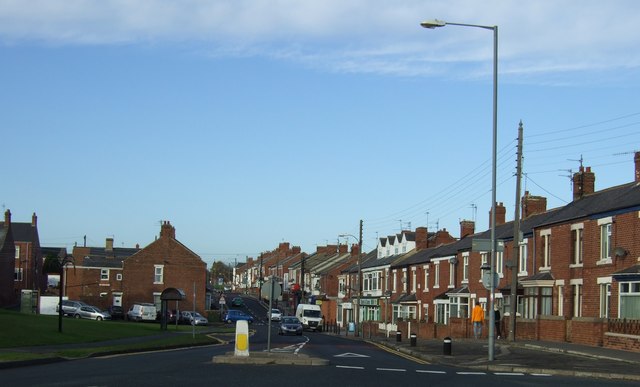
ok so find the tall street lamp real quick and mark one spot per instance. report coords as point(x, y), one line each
point(357, 310)
point(431, 24)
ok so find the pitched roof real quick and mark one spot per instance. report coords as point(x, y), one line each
point(622, 198)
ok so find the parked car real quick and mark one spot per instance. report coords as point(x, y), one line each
point(235, 315)
point(237, 301)
point(69, 307)
point(275, 315)
point(193, 318)
point(290, 324)
point(91, 313)
point(116, 312)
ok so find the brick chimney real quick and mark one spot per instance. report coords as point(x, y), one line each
point(467, 227)
point(7, 218)
point(584, 183)
point(296, 250)
point(167, 230)
point(637, 161)
point(109, 244)
point(355, 250)
point(343, 249)
point(34, 220)
point(501, 214)
point(422, 238)
point(443, 237)
point(532, 205)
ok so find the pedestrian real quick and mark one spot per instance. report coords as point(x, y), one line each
point(477, 318)
point(497, 320)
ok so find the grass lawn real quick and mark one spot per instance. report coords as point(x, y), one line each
point(28, 330)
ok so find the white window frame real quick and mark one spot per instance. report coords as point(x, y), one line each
point(17, 274)
point(560, 285)
point(465, 267)
point(436, 275)
point(627, 290)
point(17, 252)
point(158, 274)
point(546, 249)
point(414, 282)
point(104, 274)
point(606, 229)
point(604, 290)
point(578, 296)
point(499, 263)
point(119, 277)
point(524, 257)
point(452, 274)
point(425, 268)
point(577, 234)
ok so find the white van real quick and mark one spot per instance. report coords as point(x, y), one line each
point(142, 311)
point(310, 316)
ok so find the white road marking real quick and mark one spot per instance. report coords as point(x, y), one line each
point(431, 372)
point(541, 375)
point(471, 373)
point(391, 369)
point(509, 373)
point(350, 367)
point(350, 354)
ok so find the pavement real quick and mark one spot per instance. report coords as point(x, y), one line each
point(533, 357)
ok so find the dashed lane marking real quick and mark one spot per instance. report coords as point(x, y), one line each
point(431, 372)
point(350, 367)
point(391, 369)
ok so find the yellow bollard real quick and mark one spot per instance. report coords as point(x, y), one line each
point(242, 338)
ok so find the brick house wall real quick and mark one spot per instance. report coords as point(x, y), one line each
point(181, 269)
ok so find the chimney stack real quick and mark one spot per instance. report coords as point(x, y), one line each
point(109, 244)
point(34, 220)
point(467, 227)
point(584, 183)
point(7, 218)
point(343, 249)
point(532, 205)
point(422, 238)
point(167, 230)
point(355, 250)
point(501, 214)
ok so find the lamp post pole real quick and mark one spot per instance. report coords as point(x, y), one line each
point(358, 280)
point(439, 23)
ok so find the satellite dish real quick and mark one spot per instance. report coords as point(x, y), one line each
point(453, 260)
point(620, 252)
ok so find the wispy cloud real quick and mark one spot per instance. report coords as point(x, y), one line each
point(384, 37)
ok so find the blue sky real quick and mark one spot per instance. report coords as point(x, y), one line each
point(250, 123)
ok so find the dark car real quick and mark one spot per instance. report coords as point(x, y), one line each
point(290, 325)
point(116, 312)
point(235, 315)
point(237, 301)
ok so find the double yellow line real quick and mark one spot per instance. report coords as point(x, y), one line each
point(398, 353)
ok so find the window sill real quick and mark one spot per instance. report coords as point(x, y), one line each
point(606, 261)
point(575, 265)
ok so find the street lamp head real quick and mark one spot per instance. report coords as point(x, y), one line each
point(435, 23)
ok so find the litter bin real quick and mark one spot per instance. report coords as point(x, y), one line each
point(398, 336)
point(446, 347)
point(413, 337)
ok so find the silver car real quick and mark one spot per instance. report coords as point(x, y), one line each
point(91, 313)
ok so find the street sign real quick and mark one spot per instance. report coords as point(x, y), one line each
point(486, 280)
point(484, 245)
point(266, 290)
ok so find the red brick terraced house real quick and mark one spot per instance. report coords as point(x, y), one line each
point(105, 276)
point(165, 263)
point(577, 267)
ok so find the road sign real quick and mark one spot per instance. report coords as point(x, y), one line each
point(222, 300)
point(266, 290)
point(486, 282)
point(484, 245)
